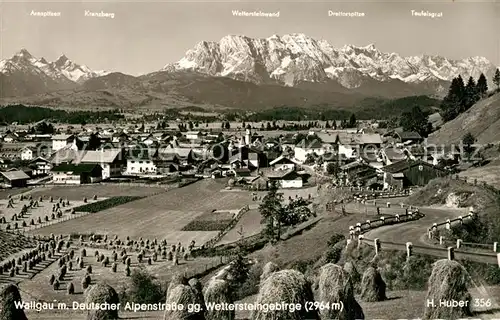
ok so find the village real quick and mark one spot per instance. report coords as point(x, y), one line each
point(377, 159)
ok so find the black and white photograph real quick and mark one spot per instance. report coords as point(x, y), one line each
point(250, 160)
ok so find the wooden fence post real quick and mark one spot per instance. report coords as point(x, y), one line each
point(397, 218)
point(459, 243)
point(376, 242)
point(382, 219)
point(388, 204)
point(461, 219)
point(441, 240)
point(451, 253)
point(498, 259)
point(448, 224)
point(360, 240)
point(495, 246)
point(368, 222)
point(409, 249)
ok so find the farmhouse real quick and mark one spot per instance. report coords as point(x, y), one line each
point(68, 154)
point(407, 173)
point(408, 137)
point(283, 163)
point(76, 173)
point(60, 141)
point(40, 166)
point(304, 148)
point(14, 178)
point(29, 153)
point(285, 178)
point(111, 161)
point(142, 161)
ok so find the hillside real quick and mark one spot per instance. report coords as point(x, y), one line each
point(482, 120)
point(163, 89)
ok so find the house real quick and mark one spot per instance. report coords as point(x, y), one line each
point(358, 172)
point(306, 147)
point(407, 173)
point(10, 137)
point(40, 166)
point(283, 163)
point(285, 178)
point(111, 161)
point(83, 173)
point(68, 154)
point(168, 163)
point(29, 153)
point(408, 137)
point(14, 178)
point(60, 141)
point(392, 155)
point(142, 160)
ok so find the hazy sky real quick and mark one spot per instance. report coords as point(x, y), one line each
point(145, 36)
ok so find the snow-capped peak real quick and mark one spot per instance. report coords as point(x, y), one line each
point(297, 57)
point(60, 70)
point(23, 53)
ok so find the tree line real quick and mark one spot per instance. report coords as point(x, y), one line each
point(23, 115)
point(461, 96)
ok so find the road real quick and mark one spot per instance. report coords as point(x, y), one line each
point(395, 236)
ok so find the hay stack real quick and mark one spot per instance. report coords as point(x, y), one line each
point(102, 293)
point(333, 285)
point(372, 286)
point(181, 293)
point(268, 269)
point(8, 310)
point(448, 281)
point(218, 291)
point(290, 287)
point(351, 269)
point(198, 288)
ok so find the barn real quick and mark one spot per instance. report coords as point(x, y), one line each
point(14, 178)
point(409, 173)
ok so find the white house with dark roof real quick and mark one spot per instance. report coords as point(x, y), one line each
point(29, 153)
point(111, 161)
point(60, 141)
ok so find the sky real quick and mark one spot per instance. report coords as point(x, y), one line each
point(143, 37)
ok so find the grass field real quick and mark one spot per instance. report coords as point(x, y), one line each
point(249, 224)
point(101, 190)
point(161, 216)
point(4, 193)
point(489, 173)
point(13, 243)
point(210, 221)
point(43, 210)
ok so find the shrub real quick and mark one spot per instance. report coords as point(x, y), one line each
point(106, 204)
point(144, 288)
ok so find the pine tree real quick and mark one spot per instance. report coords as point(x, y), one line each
point(496, 79)
point(471, 95)
point(482, 85)
point(452, 103)
point(352, 121)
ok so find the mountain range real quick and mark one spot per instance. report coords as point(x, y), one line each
point(240, 72)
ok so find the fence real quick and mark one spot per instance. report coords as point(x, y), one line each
point(362, 227)
point(212, 242)
point(450, 253)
